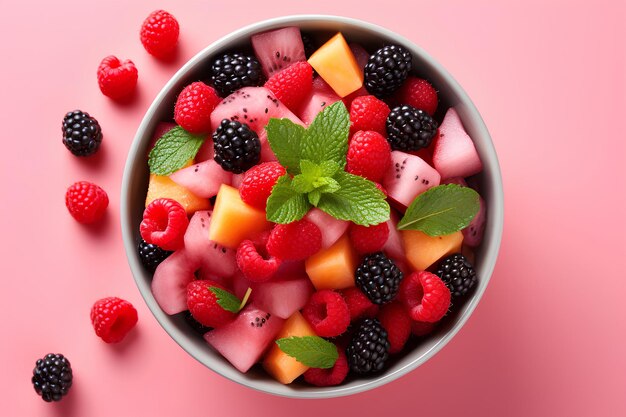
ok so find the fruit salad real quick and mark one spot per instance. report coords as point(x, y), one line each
point(307, 209)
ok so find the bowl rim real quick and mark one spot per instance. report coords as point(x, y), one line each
point(496, 207)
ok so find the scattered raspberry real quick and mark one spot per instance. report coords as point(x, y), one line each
point(328, 313)
point(369, 155)
point(369, 239)
point(113, 318)
point(202, 304)
point(253, 264)
point(86, 202)
point(418, 93)
point(396, 321)
point(159, 34)
point(421, 328)
point(368, 113)
point(425, 296)
point(194, 106)
point(117, 79)
point(329, 377)
point(258, 181)
point(164, 224)
point(294, 241)
point(292, 84)
point(359, 304)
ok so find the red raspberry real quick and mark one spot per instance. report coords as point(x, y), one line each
point(369, 113)
point(258, 182)
point(421, 328)
point(369, 239)
point(194, 106)
point(359, 304)
point(86, 202)
point(253, 264)
point(292, 84)
point(159, 34)
point(329, 377)
point(294, 241)
point(425, 296)
point(113, 318)
point(328, 313)
point(164, 224)
point(369, 155)
point(203, 306)
point(396, 321)
point(418, 93)
point(117, 79)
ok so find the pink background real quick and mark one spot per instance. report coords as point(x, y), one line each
point(548, 337)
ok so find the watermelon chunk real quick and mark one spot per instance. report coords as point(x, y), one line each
point(394, 247)
point(455, 180)
point(203, 179)
point(206, 151)
point(267, 154)
point(169, 284)
point(277, 49)
point(320, 97)
point(407, 177)
point(282, 298)
point(332, 229)
point(473, 233)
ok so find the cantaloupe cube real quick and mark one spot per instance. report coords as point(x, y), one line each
point(163, 187)
point(333, 268)
point(422, 250)
point(280, 365)
point(233, 220)
point(336, 64)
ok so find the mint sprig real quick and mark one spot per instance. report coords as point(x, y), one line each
point(229, 301)
point(173, 150)
point(285, 204)
point(311, 351)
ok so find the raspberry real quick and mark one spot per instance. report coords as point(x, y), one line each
point(117, 79)
point(369, 239)
point(52, 377)
point(421, 328)
point(295, 241)
point(418, 93)
point(164, 224)
point(159, 34)
point(113, 318)
point(328, 313)
point(292, 84)
point(202, 304)
point(358, 304)
point(194, 106)
point(396, 321)
point(329, 377)
point(254, 266)
point(369, 113)
point(258, 182)
point(369, 155)
point(86, 201)
point(82, 134)
point(425, 296)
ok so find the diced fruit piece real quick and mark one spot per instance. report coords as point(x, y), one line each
point(267, 154)
point(206, 151)
point(394, 248)
point(290, 270)
point(202, 179)
point(321, 96)
point(280, 365)
point(407, 177)
point(455, 154)
point(333, 268)
point(236, 180)
point(169, 284)
point(422, 250)
point(332, 229)
point(336, 64)
point(282, 298)
point(243, 341)
point(473, 233)
point(360, 54)
point(292, 85)
point(212, 257)
point(163, 187)
point(233, 220)
point(278, 49)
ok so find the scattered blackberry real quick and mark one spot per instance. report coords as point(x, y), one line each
point(458, 274)
point(151, 255)
point(410, 129)
point(378, 277)
point(52, 377)
point(237, 148)
point(81, 133)
point(309, 44)
point(232, 71)
point(195, 324)
point(369, 348)
point(386, 70)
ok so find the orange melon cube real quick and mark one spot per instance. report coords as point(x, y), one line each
point(233, 220)
point(336, 64)
point(163, 187)
point(333, 268)
point(422, 250)
point(277, 363)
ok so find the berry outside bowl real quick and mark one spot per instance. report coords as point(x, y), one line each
point(489, 183)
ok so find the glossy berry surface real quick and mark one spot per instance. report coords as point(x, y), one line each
point(52, 377)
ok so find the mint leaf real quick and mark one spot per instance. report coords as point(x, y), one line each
point(329, 168)
point(441, 210)
point(326, 185)
point(311, 351)
point(358, 200)
point(227, 300)
point(314, 197)
point(302, 184)
point(286, 205)
point(285, 137)
point(310, 169)
point(326, 139)
point(173, 150)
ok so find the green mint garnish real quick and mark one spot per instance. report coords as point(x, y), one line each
point(441, 210)
point(326, 139)
point(173, 150)
point(311, 351)
point(228, 301)
point(285, 204)
point(285, 143)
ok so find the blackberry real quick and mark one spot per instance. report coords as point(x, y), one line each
point(232, 71)
point(410, 129)
point(309, 44)
point(387, 69)
point(458, 274)
point(82, 134)
point(378, 277)
point(368, 350)
point(237, 148)
point(52, 377)
point(195, 324)
point(151, 255)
